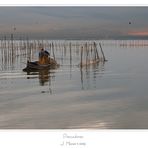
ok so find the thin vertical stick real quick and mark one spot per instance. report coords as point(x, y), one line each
point(82, 78)
point(70, 54)
point(53, 50)
point(28, 50)
point(49, 47)
point(5, 41)
point(96, 51)
point(64, 49)
point(102, 52)
point(12, 42)
point(81, 56)
point(86, 53)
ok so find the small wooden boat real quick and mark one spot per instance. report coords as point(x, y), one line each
point(35, 66)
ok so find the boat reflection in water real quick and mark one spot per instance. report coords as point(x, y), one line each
point(44, 77)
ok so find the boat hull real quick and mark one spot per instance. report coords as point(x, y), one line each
point(35, 66)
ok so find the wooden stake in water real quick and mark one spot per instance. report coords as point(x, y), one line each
point(102, 52)
point(12, 43)
point(5, 41)
point(81, 64)
point(96, 51)
point(81, 70)
point(64, 49)
point(28, 50)
point(87, 51)
point(53, 50)
point(70, 54)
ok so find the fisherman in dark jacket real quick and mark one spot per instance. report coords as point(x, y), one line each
point(44, 56)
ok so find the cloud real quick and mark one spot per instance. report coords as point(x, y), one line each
point(139, 33)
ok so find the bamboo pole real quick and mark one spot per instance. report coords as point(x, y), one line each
point(70, 54)
point(102, 52)
point(64, 49)
point(81, 70)
point(12, 42)
point(53, 50)
point(5, 41)
point(96, 51)
point(86, 54)
point(28, 50)
point(81, 63)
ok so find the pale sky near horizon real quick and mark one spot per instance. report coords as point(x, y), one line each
point(75, 21)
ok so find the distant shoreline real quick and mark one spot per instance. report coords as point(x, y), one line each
point(33, 37)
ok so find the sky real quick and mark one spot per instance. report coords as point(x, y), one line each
point(75, 22)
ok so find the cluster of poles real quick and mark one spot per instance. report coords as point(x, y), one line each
point(86, 51)
point(90, 54)
point(125, 43)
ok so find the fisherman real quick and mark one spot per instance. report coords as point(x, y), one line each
point(44, 56)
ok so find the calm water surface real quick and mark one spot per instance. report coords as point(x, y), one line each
point(110, 95)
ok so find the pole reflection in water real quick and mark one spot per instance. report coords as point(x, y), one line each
point(89, 75)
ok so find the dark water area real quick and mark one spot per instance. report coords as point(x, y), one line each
point(108, 95)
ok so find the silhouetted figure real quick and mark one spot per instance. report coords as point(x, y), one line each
point(43, 56)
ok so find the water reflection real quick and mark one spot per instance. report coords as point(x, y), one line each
point(8, 60)
point(42, 75)
point(67, 55)
point(89, 75)
point(114, 96)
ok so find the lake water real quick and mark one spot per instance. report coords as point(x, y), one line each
point(107, 95)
